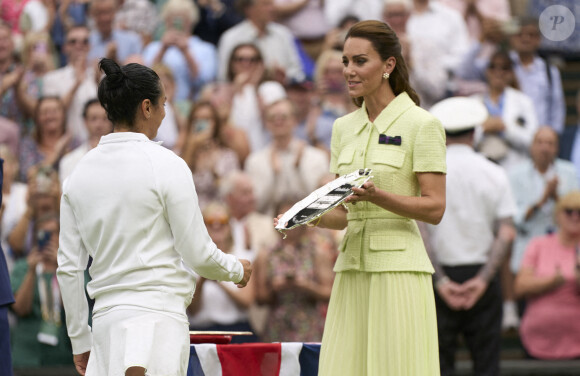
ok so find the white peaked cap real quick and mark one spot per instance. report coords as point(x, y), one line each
point(458, 114)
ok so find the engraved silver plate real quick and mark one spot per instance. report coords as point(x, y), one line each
point(322, 200)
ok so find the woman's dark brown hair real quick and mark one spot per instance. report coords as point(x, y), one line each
point(386, 43)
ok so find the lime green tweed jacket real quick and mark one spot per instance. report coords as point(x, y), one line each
point(377, 240)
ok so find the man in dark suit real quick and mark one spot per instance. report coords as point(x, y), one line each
point(6, 299)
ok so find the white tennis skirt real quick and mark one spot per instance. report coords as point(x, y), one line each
point(125, 337)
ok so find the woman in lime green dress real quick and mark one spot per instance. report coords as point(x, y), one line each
point(381, 318)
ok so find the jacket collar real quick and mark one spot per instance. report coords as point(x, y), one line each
point(124, 137)
point(396, 108)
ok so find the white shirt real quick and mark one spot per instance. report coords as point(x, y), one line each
point(478, 193)
point(131, 205)
point(70, 160)
point(59, 82)
point(336, 10)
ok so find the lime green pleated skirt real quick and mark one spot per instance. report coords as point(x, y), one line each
point(380, 324)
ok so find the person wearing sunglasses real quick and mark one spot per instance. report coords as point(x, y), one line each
point(74, 83)
point(549, 278)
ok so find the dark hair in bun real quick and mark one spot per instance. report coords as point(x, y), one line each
point(123, 89)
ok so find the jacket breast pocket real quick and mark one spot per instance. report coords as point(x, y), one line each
point(379, 243)
point(389, 157)
point(345, 161)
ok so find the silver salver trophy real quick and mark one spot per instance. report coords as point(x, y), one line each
point(322, 200)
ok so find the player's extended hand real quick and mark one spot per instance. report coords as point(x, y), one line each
point(81, 361)
point(247, 273)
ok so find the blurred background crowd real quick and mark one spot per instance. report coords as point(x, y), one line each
point(253, 89)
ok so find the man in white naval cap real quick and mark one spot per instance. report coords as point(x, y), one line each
point(471, 242)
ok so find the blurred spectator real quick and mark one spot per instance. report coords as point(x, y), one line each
point(10, 74)
point(97, 125)
point(568, 48)
point(335, 37)
point(42, 198)
point(192, 61)
point(287, 166)
point(39, 338)
point(435, 55)
point(63, 16)
point(10, 11)
point(331, 101)
point(539, 79)
point(549, 278)
point(139, 16)
point(477, 12)
point(337, 10)
point(9, 134)
point(469, 245)
point(6, 300)
point(250, 229)
point(302, 94)
point(34, 17)
point(221, 306)
point(570, 140)
point(106, 40)
point(172, 130)
point(14, 195)
point(275, 41)
point(216, 16)
point(294, 278)
point(506, 135)
point(75, 83)
point(246, 72)
point(206, 152)
point(220, 95)
point(49, 140)
point(539, 182)
point(38, 58)
point(306, 21)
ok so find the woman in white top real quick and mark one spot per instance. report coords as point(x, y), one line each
point(505, 137)
point(131, 205)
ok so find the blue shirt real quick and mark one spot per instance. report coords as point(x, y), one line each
point(205, 55)
point(128, 43)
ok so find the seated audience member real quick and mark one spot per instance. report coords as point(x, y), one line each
point(250, 229)
point(206, 152)
point(549, 278)
point(306, 21)
point(139, 16)
point(42, 197)
point(570, 140)
point(13, 201)
point(106, 40)
point(505, 137)
point(246, 73)
point(38, 58)
point(39, 337)
point(437, 41)
point(192, 61)
point(539, 182)
point(10, 74)
point(75, 83)
point(294, 278)
point(50, 139)
point(331, 101)
point(221, 306)
point(9, 134)
point(287, 165)
point(172, 130)
point(97, 125)
point(274, 40)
